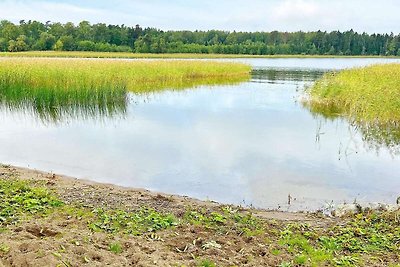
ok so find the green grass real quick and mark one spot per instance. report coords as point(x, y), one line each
point(363, 238)
point(116, 248)
point(19, 199)
point(225, 220)
point(54, 88)
point(206, 263)
point(134, 223)
point(74, 75)
point(369, 95)
point(86, 54)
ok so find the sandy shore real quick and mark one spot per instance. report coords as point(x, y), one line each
point(61, 240)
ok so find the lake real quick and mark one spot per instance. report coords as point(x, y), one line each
point(251, 143)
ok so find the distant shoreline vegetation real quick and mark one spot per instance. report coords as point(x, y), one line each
point(131, 55)
point(38, 36)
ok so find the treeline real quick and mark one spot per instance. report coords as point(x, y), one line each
point(34, 35)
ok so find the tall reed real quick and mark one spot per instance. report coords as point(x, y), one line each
point(52, 87)
point(368, 95)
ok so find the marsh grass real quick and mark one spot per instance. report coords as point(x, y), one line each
point(368, 97)
point(52, 104)
point(54, 88)
point(75, 75)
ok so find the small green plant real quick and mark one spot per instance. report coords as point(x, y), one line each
point(242, 223)
point(116, 248)
point(206, 263)
point(4, 249)
point(346, 261)
point(276, 252)
point(300, 259)
point(365, 236)
point(19, 199)
point(135, 223)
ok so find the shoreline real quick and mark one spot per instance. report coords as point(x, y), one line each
point(64, 181)
point(93, 222)
point(126, 55)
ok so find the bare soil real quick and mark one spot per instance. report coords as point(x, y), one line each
point(56, 240)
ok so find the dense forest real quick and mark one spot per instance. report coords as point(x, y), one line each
point(34, 35)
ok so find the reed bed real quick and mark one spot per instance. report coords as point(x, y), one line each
point(103, 75)
point(56, 87)
point(368, 95)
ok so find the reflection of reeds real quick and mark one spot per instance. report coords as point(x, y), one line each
point(369, 97)
point(377, 136)
point(55, 106)
point(283, 74)
point(55, 88)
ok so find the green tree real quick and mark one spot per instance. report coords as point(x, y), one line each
point(68, 43)
point(58, 46)
point(11, 46)
point(45, 42)
point(103, 37)
point(86, 46)
point(57, 30)
point(85, 31)
point(18, 45)
point(9, 31)
point(3, 44)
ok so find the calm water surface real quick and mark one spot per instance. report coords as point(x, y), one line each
point(251, 144)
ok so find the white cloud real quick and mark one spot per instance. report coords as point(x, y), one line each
point(240, 15)
point(43, 11)
point(296, 10)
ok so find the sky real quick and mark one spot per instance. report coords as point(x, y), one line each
point(240, 15)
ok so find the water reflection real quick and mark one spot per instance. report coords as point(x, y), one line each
point(55, 105)
point(246, 143)
point(153, 86)
point(273, 75)
point(375, 136)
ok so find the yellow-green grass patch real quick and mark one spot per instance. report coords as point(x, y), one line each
point(368, 95)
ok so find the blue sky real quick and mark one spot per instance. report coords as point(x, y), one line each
point(240, 15)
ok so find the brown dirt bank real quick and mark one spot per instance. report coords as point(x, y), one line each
point(204, 233)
